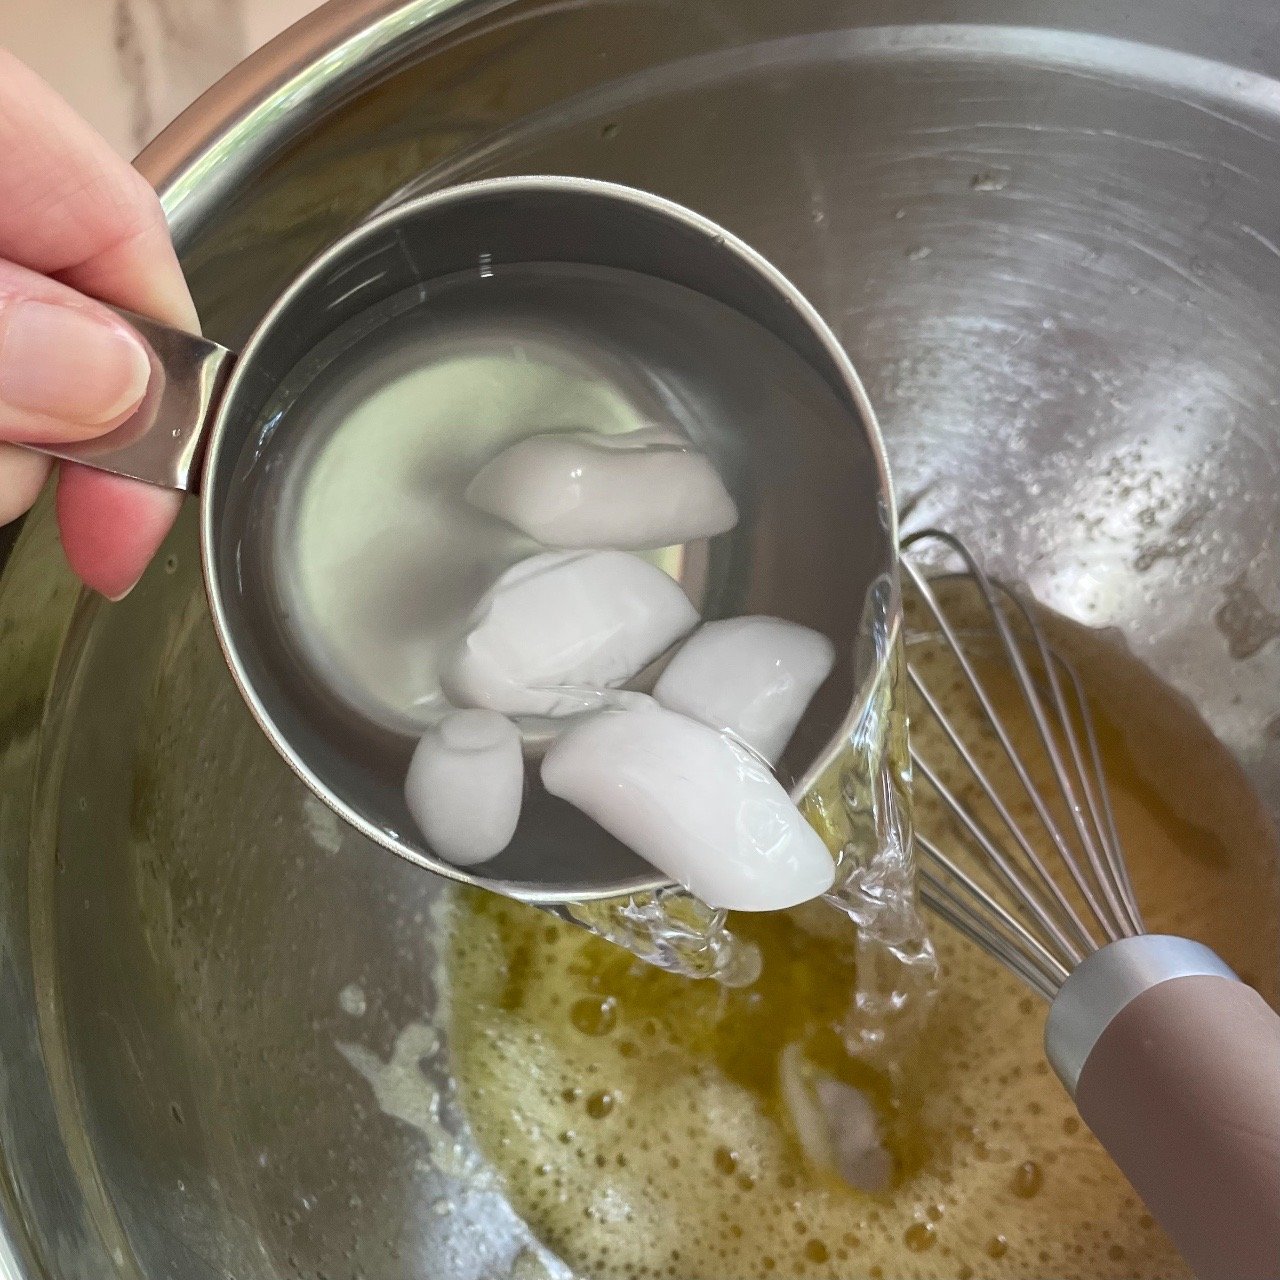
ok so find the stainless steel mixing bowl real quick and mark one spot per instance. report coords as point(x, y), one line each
point(1053, 254)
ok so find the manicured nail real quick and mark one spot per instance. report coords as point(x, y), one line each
point(123, 595)
point(79, 366)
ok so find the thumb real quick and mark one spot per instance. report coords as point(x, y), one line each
point(70, 368)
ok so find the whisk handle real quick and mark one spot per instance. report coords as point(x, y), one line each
point(1174, 1064)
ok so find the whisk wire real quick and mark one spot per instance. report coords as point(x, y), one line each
point(1103, 814)
point(983, 918)
point(1013, 653)
point(1024, 893)
point(959, 919)
point(1089, 832)
point(1085, 938)
point(1031, 923)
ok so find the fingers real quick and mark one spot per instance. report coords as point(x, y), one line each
point(70, 368)
point(22, 476)
point(111, 527)
point(71, 208)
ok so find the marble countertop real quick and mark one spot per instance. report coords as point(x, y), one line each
point(130, 66)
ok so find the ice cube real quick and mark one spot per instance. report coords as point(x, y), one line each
point(465, 785)
point(638, 490)
point(694, 803)
point(751, 676)
point(559, 624)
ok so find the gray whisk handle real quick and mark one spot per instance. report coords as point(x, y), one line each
point(1175, 1066)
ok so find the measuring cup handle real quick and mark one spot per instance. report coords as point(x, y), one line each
point(162, 441)
point(1181, 1084)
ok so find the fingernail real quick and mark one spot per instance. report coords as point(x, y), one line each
point(79, 366)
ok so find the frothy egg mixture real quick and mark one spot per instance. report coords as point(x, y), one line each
point(649, 1126)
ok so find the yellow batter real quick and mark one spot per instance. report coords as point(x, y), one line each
point(638, 1119)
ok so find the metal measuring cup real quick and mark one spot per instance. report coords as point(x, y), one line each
point(205, 409)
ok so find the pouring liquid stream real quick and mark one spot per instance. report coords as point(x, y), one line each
point(861, 806)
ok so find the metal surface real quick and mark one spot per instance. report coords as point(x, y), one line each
point(163, 440)
point(1051, 255)
point(1105, 983)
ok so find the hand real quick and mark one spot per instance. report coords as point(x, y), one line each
point(76, 224)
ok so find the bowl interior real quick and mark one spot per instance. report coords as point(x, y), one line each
point(1051, 256)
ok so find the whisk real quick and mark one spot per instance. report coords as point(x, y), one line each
point(1171, 1060)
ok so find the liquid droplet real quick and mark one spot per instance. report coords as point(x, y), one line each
point(1028, 1178)
point(351, 1000)
point(816, 1251)
point(600, 1104)
point(920, 1236)
point(594, 1017)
